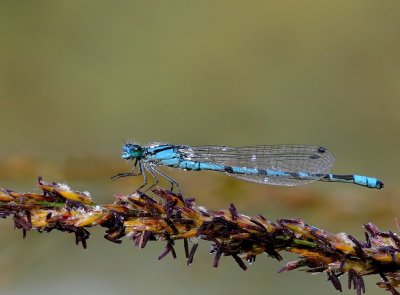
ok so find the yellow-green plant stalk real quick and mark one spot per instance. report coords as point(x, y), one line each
point(142, 219)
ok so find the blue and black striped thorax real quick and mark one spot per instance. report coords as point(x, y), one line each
point(163, 154)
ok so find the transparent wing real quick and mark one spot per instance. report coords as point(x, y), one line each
point(293, 159)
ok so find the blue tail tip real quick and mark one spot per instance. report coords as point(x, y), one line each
point(379, 184)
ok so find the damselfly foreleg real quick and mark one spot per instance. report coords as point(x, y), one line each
point(130, 173)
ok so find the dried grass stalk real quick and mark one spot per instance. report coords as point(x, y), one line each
point(142, 219)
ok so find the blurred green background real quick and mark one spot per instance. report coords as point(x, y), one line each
point(77, 78)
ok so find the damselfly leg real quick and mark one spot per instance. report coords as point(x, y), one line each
point(153, 172)
point(143, 168)
point(140, 168)
point(169, 179)
point(130, 173)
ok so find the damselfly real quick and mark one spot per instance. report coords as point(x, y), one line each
point(286, 165)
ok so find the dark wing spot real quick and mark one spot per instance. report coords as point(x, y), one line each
point(321, 150)
point(314, 157)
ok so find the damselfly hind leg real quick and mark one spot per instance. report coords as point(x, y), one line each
point(151, 171)
point(170, 180)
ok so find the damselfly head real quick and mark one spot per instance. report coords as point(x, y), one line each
point(131, 151)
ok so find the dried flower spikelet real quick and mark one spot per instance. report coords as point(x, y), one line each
point(384, 255)
point(361, 267)
point(5, 197)
point(91, 219)
point(39, 218)
point(15, 195)
point(146, 224)
point(313, 257)
point(141, 203)
point(391, 281)
point(116, 207)
point(342, 242)
point(76, 196)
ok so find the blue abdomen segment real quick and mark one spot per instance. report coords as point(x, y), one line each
point(370, 182)
point(198, 166)
point(366, 181)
